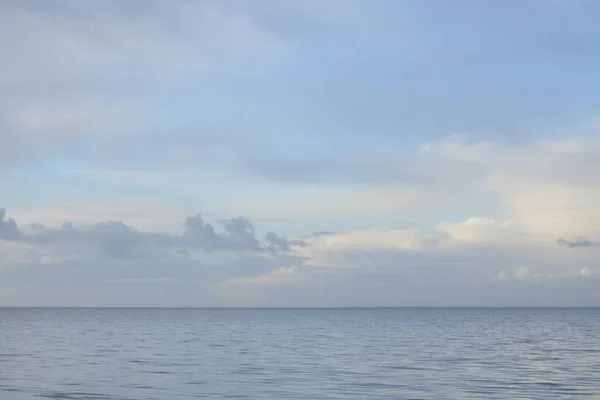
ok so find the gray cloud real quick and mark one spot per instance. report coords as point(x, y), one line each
point(202, 235)
point(37, 226)
point(8, 227)
point(276, 243)
point(345, 166)
point(320, 233)
point(114, 238)
point(205, 256)
point(119, 240)
point(579, 241)
point(239, 235)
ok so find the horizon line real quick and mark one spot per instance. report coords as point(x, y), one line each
point(293, 307)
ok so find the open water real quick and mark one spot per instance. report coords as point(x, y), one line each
point(380, 353)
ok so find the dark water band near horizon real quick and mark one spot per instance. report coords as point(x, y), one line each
point(353, 353)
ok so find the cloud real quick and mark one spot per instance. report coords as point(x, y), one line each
point(471, 252)
point(281, 166)
point(74, 71)
point(279, 276)
point(257, 290)
point(110, 43)
point(524, 273)
point(450, 262)
point(8, 227)
point(465, 251)
point(391, 239)
point(114, 238)
point(121, 241)
point(545, 188)
point(485, 230)
point(240, 231)
point(320, 233)
point(579, 241)
point(239, 235)
point(118, 240)
point(142, 280)
point(325, 116)
point(142, 213)
point(199, 234)
point(276, 243)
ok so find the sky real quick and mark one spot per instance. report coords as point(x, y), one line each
point(299, 153)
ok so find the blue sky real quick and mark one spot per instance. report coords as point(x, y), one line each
point(446, 148)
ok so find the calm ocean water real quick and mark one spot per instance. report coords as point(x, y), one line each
point(381, 353)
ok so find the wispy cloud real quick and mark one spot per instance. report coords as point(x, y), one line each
point(427, 147)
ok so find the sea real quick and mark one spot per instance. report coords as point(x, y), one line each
point(343, 353)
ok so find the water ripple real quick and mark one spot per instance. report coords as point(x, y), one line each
point(104, 354)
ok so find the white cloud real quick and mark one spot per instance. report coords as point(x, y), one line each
point(524, 273)
point(144, 214)
point(484, 230)
point(456, 148)
point(140, 113)
point(547, 189)
point(539, 206)
point(282, 275)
